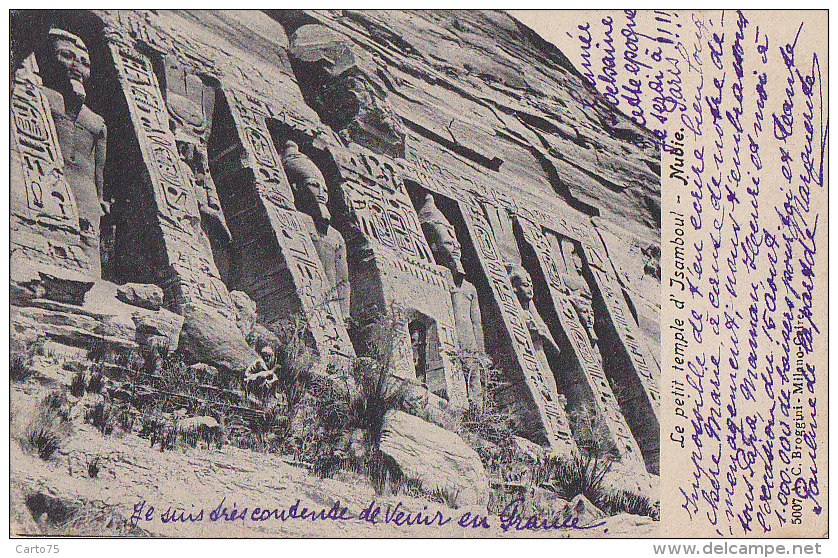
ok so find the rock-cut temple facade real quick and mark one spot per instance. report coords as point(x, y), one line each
point(335, 166)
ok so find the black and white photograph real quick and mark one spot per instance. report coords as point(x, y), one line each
point(294, 273)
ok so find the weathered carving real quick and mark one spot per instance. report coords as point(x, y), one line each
point(45, 224)
point(577, 289)
point(536, 402)
point(184, 268)
point(292, 222)
point(390, 262)
point(191, 104)
point(312, 197)
point(446, 250)
point(292, 278)
point(345, 96)
point(589, 385)
point(82, 134)
point(522, 285)
point(630, 364)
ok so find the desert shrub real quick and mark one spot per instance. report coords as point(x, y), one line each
point(269, 430)
point(55, 407)
point(175, 375)
point(94, 465)
point(124, 415)
point(130, 359)
point(100, 351)
point(80, 519)
point(294, 357)
point(354, 400)
point(95, 383)
point(20, 367)
point(622, 501)
point(21, 353)
point(581, 474)
point(447, 496)
point(44, 441)
point(49, 425)
point(102, 418)
point(77, 384)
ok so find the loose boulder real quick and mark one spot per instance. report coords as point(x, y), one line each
point(439, 459)
point(141, 294)
point(160, 326)
point(210, 337)
point(245, 311)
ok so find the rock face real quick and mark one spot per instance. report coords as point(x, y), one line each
point(100, 319)
point(528, 166)
point(440, 460)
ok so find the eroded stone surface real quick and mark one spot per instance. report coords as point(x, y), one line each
point(437, 458)
point(144, 296)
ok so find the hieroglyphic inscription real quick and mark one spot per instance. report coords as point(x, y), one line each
point(382, 205)
point(49, 200)
point(373, 187)
point(446, 348)
point(603, 398)
point(319, 304)
point(194, 276)
point(644, 366)
point(550, 412)
point(293, 230)
point(260, 153)
point(173, 193)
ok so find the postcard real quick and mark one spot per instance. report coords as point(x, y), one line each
point(419, 274)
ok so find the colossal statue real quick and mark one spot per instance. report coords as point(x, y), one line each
point(522, 285)
point(347, 97)
point(542, 340)
point(191, 103)
point(467, 320)
point(82, 133)
point(311, 197)
point(578, 291)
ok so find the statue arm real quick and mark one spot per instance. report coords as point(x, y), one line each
point(546, 335)
point(477, 321)
point(208, 200)
point(100, 152)
point(342, 268)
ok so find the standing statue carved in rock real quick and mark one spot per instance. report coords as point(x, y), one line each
point(191, 104)
point(545, 347)
point(446, 250)
point(82, 133)
point(311, 197)
point(577, 289)
point(522, 285)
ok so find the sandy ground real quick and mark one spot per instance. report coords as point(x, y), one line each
point(189, 480)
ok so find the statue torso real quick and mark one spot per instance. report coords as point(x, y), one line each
point(330, 249)
point(78, 141)
point(462, 299)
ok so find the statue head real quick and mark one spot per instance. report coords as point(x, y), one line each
point(572, 255)
point(307, 183)
point(521, 283)
point(441, 236)
point(72, 62)
point(267, 354)
point(344, 90)
point(188, 102)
